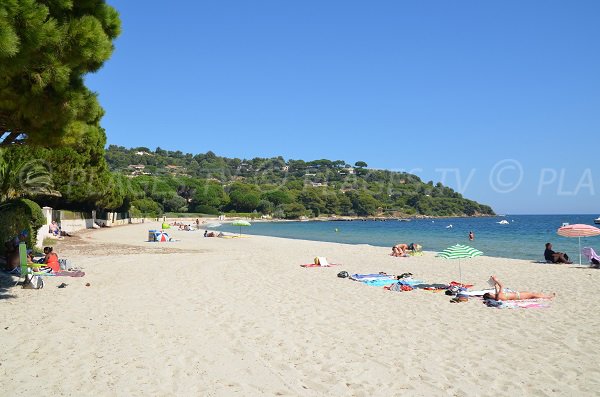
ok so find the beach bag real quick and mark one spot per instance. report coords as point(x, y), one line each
point(64, 264)
point(33, 282)
point(343, 274)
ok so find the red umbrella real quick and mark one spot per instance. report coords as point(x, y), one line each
point(578, 231)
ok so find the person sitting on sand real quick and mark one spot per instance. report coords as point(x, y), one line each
point(502, 295)
point(555, 257)
point(38, 266)
point(51, 259)
point(54, 229)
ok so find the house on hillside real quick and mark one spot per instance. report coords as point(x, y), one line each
point(137, 169)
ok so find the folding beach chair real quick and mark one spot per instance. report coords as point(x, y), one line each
point(26, 270)
point(23, 262)
point(591, 255)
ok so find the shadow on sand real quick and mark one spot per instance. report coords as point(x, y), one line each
point(7, 282)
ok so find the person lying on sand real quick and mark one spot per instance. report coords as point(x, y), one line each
point(212, 234)
point(501, 295)
point(402, 249)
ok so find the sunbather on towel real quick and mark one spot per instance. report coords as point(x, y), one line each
point(501, 295)
point(402, 249)
point(212, 234)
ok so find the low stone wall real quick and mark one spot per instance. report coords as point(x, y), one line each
point(74, 225)
point(79, 221)
point(118, 222)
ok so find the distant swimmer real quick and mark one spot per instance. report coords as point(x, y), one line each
point(336, 230)
point(471, 236)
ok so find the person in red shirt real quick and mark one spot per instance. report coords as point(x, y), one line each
point(51, 259)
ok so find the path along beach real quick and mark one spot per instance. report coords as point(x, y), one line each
point(224, 317)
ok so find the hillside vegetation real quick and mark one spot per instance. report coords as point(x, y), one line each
point(161, 180)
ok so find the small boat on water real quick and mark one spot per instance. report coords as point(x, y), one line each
point(503, 222)
point(597, 221)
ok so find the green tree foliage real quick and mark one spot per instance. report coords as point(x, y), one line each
point(277, 197)
point(364, 204)
point(20, 215)
point(243, 197)
point(46, 48)
point(293, 211)
point(147, 207)
point(210, 194)
point(271, 185)
point(23, 175)
point(67, 177)
point(175, 203)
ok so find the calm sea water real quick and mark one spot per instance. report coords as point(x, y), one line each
point(523, 238)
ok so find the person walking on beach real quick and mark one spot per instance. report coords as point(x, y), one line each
point(471, 236)
point(502, 295)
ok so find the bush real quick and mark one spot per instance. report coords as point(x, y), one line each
point(18, 216)
point(206, 209)
point(294, 211)
point(147, 207)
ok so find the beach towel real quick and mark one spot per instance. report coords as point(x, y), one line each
point(371, 276)
point(591, 255)
point(315, 265)
point(320, 261)
point(409, 281)
point(380, 282)
point(430, 286)
point(70, 273)
point(518, 304)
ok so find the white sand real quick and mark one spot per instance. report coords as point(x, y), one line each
point(223, 317)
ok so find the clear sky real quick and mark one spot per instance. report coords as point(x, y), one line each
point(498, 99)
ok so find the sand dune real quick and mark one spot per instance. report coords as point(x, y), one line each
point(222, 317)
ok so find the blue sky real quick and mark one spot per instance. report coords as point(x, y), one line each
point(497, 99)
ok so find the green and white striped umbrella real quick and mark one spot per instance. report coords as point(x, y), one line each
point(459, 251)
point(241, 223)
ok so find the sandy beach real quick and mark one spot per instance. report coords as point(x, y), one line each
point(224, 317)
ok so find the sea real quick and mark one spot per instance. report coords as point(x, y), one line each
point(520, 236)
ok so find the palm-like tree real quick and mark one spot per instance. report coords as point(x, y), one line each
point(24, 177)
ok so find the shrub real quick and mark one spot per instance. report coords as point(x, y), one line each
point(20, 215)
point(147, 207)
point(207, 209)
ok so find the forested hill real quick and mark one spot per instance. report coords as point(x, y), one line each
point(164, 180)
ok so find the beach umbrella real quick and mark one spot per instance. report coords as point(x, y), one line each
point(459, 251)
point(578, 231)
point(240, 224)
point(162, 237)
